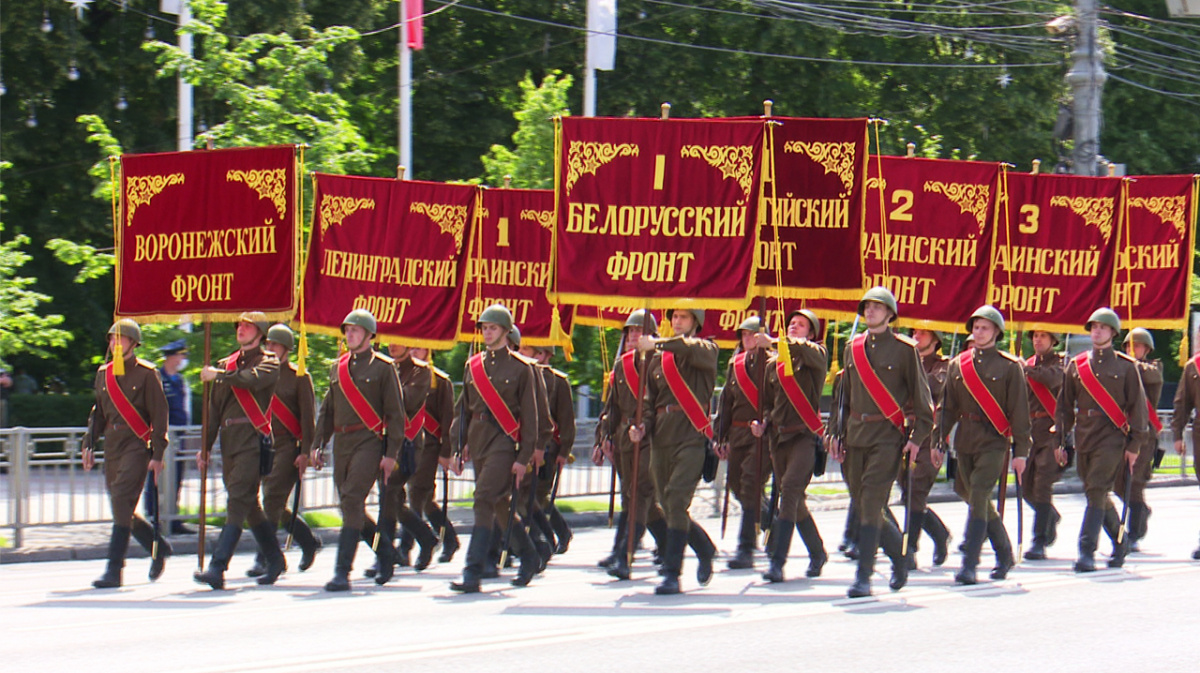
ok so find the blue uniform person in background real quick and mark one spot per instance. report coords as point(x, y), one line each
point(179, 398)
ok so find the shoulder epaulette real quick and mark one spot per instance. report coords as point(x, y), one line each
point(1126, 356)
point(1010, 356)
point(440, 374)
point(387, 359)
point(418, 362)
point(529, 361)
point(147, 364)
point(905, 339)
point(560, 374)
point(292, 366)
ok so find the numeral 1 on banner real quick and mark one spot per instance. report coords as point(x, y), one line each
point(502, 239)
point(660, 166)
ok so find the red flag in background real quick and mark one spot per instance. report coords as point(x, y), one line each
point(414, 12)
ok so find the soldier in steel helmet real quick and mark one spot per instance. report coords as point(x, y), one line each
point(1187, 400)
point(436, 449)
point(293, 411)
point(679, 387)
point(242, 389)
point(986, 396)
point(738, 410)
point(131, 414)
point(1140, 343)
point(363, 413)
point(882, 376)
point(1047, 457)
point(497, 414)
point(929, 462)
point(561, 409)
point(1103, 401)
point(791, 400)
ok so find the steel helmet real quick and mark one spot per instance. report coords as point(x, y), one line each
point(1104, 316)
point(1140, 335)
point(256, 318)
point(697, 313)
point(883, 296)
point(360, 317)
point(497, 314)
point(814, 323)
point(987, 312)
point(282, 335)
point(128, 328)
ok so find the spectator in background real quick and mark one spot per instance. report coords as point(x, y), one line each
point(179, 398)
point(24, 384)
point(6, 386)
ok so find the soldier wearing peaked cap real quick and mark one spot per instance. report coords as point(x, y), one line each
point(131, 414)
point(882, 375)
point(239, 405)
point(1102, 399)
point(363, 413)
point(986, 396)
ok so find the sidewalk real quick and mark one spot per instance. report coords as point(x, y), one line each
point(90, 541)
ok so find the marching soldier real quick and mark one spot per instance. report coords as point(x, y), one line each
point(540, 532)
point(986, 396)
point(613, 442)
point(1142, 345)
point(498, 406)
point(362, 411)
point(432, 423)
point(239, 402)
point(1187, 400)
point(681, 377)
point(292, 423)
point(925, 470)
point(739, 409)
point(1103, 401)
point(791, 400)
point(562, 417)
point(131, 414)
point(1047, 457)
point(882, 374)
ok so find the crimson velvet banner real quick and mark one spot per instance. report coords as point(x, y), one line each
point(656, 213)
point(509, 263)
point(393, 247)
point(928, 238)
point(207, 234)
point(812, 209)
point(1055, 250)
point(1151, 285)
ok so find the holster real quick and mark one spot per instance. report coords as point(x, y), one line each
point(266, 454)
point(711, 461)
point(822, 456)
point(408, 458)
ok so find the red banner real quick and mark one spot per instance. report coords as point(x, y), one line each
point(656, 213)
point(1055, 250)
point(393, 247)
point(509, 263)
point(813, 201)
point(1151, 285)
point(722, 326)
point(207, 234)
point(928, 238)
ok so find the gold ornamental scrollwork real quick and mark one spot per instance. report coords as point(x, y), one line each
point(542, 217)
point(876, 183)
point(734, 161)
point(335, 209)
point(835, 158)
point(584, 157)
point(970, 198)
point(140, 189)
point(1096, 211)
point(270, 183)
point(1170, 209)
point(450, 219)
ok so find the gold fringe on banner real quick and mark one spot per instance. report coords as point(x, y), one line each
point(559, 336)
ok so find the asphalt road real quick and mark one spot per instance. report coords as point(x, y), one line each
point(575, 618)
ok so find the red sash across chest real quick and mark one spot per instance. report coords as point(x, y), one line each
point(491, 397)
point(1042, 393)
point(684, 395)
point(258, 418)
point(982, 396)
point(124, 407)
point(879, 393)
point(1083, 363)
point(745, 381)
point(799, 400)
point(366, 413)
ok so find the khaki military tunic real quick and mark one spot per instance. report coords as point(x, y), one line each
point(296, 393)
point(1187, 400)
point(614, 426)
point(793, 445)
point(562, 413)
point(415, 382)
point(748, 468)
point(491, 450)
point(439, 404)
point(357, 450)
point(1099, 444)
point(925, 472)
point(1042, 468)
point(873, 443)
point(1152, 382)
point(126, 456)
point(257, 371)
point(677, 456)
point(982, 451)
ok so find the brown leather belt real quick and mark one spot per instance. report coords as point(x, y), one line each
point(870, 418)
point(668, 409)
point(235, 421)
point(978, 418)
point(353, 427)
point(742, 424)
point(1040, 414)
point(1094, 413)
point(790, 429)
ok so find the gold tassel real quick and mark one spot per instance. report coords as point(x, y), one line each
point(834, 367)
point(302, 354)
point(785, 352)
point(118, 364)
point(559, 336)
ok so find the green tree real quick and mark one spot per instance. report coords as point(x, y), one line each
point(531, 162)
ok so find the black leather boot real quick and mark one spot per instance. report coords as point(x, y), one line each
point(1002, 545)
point(532, 561)
point(561, 530)
point(268, 546)
point(892, 539)
point(933, 525)
point(977, 530)
point(781, 544)
point(144, 533)
point(118, 546)
point(443, 527)
point(1052, 525)
point(816, 547)
point(746, 544)
point(543, 537)
point(404, 549)
point(672, 562)
point(850, 531)
point(915, 525)
point(705, 550)
point(658, 531)
point(866, 543)
point(226, 543)
point(621, 569)
point(1089, 537)
point(1041, 516)
point(385, 553)
point(1112, 526)
point(347, 545)
point(303, 535)
point(618, 543)
point(477, 553)
point(258, 568)
point(424, 537)
point(387, 530)
point(1138, 513)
